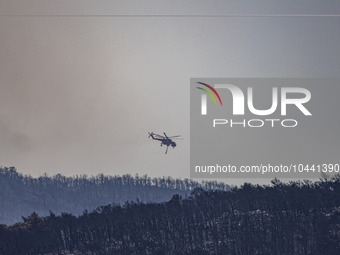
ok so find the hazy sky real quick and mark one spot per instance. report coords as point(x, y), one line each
point(79, 94)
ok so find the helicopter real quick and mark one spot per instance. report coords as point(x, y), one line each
point(165, 140)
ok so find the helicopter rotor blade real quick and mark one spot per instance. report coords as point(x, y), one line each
point(157, 135)
point(165, 135)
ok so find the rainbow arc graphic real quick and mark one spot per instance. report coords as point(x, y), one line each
point(204, 98)
point(209, 93)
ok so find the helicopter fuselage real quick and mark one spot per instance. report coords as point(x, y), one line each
point(165, 140)
point(168, 142)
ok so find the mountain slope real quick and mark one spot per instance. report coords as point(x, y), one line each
point(20, 195)
point(295, 218)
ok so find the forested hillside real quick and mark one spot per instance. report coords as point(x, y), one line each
point(281, 219)
point(21, 195)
